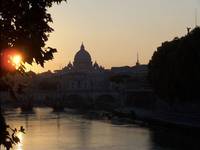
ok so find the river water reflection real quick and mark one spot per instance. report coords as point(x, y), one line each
point(46, 130)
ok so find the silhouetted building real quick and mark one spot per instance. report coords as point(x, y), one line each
point(85, 79)
point(82, 63)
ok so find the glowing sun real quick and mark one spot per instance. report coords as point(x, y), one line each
point(16, 60)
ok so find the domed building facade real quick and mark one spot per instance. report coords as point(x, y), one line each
point(82, 75)
point(84, 79)
point(83, 63)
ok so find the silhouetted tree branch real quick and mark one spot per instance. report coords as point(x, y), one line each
point(24, 25)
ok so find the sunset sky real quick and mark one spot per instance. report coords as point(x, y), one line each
point(113, 31)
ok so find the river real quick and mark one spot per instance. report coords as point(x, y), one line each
point(46, 130)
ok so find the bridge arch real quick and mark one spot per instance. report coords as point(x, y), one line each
point(106, 102)
point(77, 101)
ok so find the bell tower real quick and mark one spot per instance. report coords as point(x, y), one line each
point(138, 62)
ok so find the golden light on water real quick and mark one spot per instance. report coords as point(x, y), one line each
point(19, 146)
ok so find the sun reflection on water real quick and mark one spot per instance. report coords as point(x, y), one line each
point(19, 146)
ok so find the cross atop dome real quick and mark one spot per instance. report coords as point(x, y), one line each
point(82, 46)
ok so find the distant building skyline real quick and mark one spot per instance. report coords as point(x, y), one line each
point(114, 31)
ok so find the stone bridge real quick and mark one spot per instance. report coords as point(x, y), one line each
point(91, 94)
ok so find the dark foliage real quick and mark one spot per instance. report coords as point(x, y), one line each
point(174, 69)
point(24, 26)
point(8, 135)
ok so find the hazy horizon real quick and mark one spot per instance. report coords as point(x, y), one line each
point(114, 31)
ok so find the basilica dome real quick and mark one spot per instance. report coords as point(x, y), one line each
point(82, 55)
point(82, 60)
